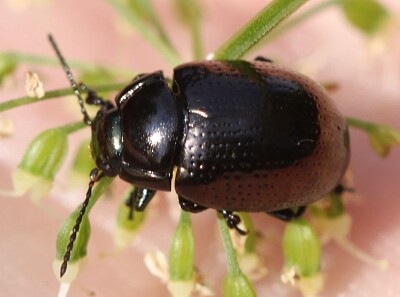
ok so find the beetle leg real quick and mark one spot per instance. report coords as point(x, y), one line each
point(232, 220)
point(143, 198)
point(190, 206)
point(92, 97)
point(340, 189)
point(138, 199)
point(263, 59)
point(288, 214)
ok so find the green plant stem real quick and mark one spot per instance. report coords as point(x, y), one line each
point(18, 57)
point(293, 22)
point(56, 94)
point(363, 125)
point(233, 265)
point(144, 11)
point(257, 28)
point(165, 49)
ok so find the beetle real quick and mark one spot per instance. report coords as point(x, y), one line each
point(235, 135)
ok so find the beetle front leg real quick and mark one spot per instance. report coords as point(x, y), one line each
point(92, 97)
point(190, 206)
point(288, 214)
point(138, 199)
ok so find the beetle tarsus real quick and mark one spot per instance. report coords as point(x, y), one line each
point(232, 220)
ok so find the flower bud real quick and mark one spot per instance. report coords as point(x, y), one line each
point(33, 85)
point(6, 127)
point(40, 163)
point(127, 225)
point(181, 252)
point(7, 67)
point(237, 285)
point(302, 253)
point(81, 165)
point(383, 138)
point(179, 273)
point(366, 15)
point(78, 253)
point(301, 248)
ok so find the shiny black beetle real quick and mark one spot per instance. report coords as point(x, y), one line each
point(240, 136)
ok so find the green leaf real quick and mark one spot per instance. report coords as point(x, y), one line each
point(248, 36)
point(366, 15)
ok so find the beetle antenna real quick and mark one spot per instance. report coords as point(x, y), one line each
point(71, 80)
point(94, 177)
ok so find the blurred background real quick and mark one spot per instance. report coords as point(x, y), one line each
point(327, 47)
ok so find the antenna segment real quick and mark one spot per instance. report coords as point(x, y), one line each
point(71, 80)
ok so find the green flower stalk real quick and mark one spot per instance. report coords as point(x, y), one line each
point(302, 253)
point(236, 284)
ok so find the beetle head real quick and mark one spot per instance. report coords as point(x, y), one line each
point(106, 144)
